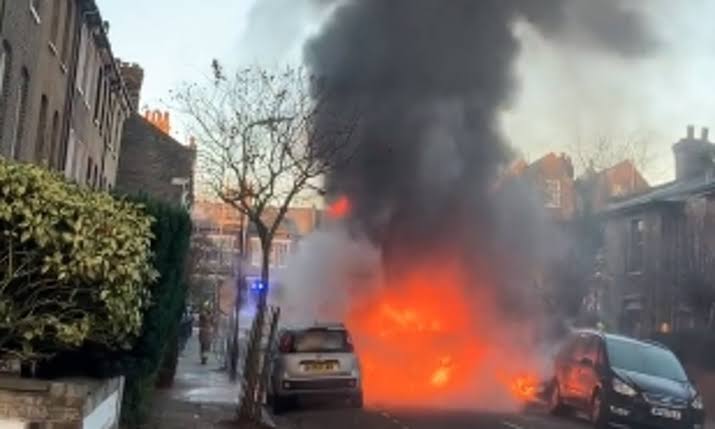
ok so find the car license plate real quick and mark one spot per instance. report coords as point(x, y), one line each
point(320, 366)
point(666, 413)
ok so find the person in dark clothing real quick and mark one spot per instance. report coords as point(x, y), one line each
point(205, 332)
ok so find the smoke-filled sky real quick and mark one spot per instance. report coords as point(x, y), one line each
point(567, 91)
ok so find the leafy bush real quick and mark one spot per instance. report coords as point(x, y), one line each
point(75, 265)
point(171, 236)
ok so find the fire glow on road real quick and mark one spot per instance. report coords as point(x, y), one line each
point(427, 342)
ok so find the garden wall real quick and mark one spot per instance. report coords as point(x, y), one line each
point(60, 404)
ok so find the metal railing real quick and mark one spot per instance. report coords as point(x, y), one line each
point(255, 364)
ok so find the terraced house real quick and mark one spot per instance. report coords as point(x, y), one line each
point(63, 100)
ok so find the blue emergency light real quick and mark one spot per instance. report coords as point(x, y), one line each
point(257, 285)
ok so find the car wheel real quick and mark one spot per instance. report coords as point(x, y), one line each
point(279, 404)
point(599, 419)
point(556, 403)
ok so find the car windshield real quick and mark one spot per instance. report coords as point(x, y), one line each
point(644, 359)
point(321, 340)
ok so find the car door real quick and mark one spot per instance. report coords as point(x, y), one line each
point(562, 367)
point(588, 376)
point(574, 381)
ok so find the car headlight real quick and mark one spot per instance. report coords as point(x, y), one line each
point(698, 403)
point(623, 388)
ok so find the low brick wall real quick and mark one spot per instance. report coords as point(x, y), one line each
point(60, 404)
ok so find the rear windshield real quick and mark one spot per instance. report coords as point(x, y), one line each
point(644, 359)
point(319, 340)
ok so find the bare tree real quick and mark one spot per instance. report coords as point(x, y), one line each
point(605, 151)
point(259, 150)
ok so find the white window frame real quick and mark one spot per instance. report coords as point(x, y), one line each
point(285, 245)
point(553, 193)
point(82, 60)
point(3, 65)
point(70, 157)
point(35, 13)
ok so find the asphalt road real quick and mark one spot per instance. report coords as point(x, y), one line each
point(322, 417)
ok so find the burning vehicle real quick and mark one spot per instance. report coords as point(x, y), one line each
point(456, 321)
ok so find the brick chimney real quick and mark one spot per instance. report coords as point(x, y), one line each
point(133, 76)
point(159, 119)
point(694, 157)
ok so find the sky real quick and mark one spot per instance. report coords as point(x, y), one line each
point(565, 94)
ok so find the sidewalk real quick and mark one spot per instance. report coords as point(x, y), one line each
point(202, 397)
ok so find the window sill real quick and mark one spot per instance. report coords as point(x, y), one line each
point(35, 15)
point(53, 48)
point(635, 273)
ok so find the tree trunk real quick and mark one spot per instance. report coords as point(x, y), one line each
point(265, 272)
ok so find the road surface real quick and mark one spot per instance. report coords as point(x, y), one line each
point(337, 418)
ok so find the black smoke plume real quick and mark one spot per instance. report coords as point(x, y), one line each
point(431, 78)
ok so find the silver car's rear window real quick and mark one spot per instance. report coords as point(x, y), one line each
point(320, 340)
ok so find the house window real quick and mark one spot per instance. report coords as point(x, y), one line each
point(55, 25)
point(21, 112)
point(88, 173)
point(553, 193)
point(36, 9)
point(5, 67)
point(618, 190)
point(2, 12)
point(40, 146)
point(69, 161)
point(279, 253)
point(83, 58)
point(54, 144)
point(69, 13)
point(636, 246)
point(98, 100)
point(90, 73)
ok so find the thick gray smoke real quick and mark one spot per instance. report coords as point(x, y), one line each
point(430, 78)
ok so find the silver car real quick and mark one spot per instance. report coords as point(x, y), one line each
point(317, 361)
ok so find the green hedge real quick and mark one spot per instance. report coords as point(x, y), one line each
point(74, 265)
point(173, 234)
point(141, 364)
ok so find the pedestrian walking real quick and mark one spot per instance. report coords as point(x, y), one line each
point(206, 323)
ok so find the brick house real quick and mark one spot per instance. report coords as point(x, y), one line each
point(553, 177)
point(151, 160)
point(572, 205)
point(222, 232)
point(298, 223)
point(63, 100)
point(658, 248)
point(597, 188)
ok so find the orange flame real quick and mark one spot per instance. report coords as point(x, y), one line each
point(427, 339)
point(340, 208)
point(525, 387)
